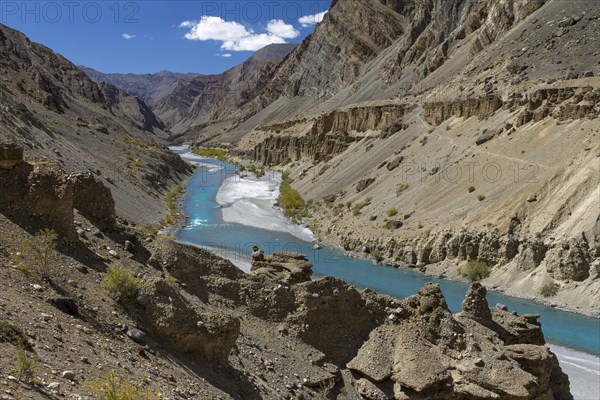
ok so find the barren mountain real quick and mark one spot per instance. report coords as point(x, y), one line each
point(149, 87)
point(198, 101)
point(131, 107)
point(471, 127)
point(58, 114)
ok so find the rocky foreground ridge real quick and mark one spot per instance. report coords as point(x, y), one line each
point(198, 327)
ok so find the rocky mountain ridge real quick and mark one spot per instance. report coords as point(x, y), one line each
point(148, 87)
point(198, 101)
point(56, 113)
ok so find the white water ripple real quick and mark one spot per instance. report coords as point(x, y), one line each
point(250, 202)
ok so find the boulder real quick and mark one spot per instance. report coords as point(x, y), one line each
point(365, 183)
point(395, 163)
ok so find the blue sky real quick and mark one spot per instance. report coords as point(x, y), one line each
point(149, 36)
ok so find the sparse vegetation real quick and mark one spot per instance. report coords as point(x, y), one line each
point(219, 154)
point(391, 212)
point(121, 283)
point(259, 172)
point(376, 254)
point(290, 199)
point(26, 365)
point(11, 334)
point(111, 386)
point(171, 281)
point(38, 253)
point(171, 202)
point(171, 198)
point(549, 289)
point(401, 188)
point(513, 68)
point(476, 270)
point(358, 207)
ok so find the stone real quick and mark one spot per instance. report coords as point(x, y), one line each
point(113, 253)
point(486, 136)
point(136, 335)
point(563, 23)
point(475, 304)
point(369, 391)
point(53, 385)
point(363, 184)
point(66, 305)
point(69, 375)
point(129, 246)
point(395, 163)
point(502, 307)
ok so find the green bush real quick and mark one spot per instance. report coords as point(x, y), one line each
point(112, 387)
point(219, 154)
point(376, 254)
point(121, 283)
point(39, 252)
point(26, 365)
point(401, 188)
point(475, 270)
point(481, 197)
point(391, 212)
point(549, 289)
point(358, 208)
point(11, 334)
point(290, 199)
point(471, 189)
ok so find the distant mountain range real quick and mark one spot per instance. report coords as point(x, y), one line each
point(193, 100)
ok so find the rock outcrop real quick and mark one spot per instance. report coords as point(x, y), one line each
point(563, 261)
point(94, 200)
point(288, 268)
point(277, 150)
point(328, 135)
point(38, 196)
point(11, 155)
point(174, 319)
point(426, 352)
point(436, 113)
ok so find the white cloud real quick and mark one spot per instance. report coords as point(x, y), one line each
point(251, 43)
point(235, 36)
point(226, 55)
point(214, 28)
point(128, 36)
point(309, 20)
point(279, 28)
